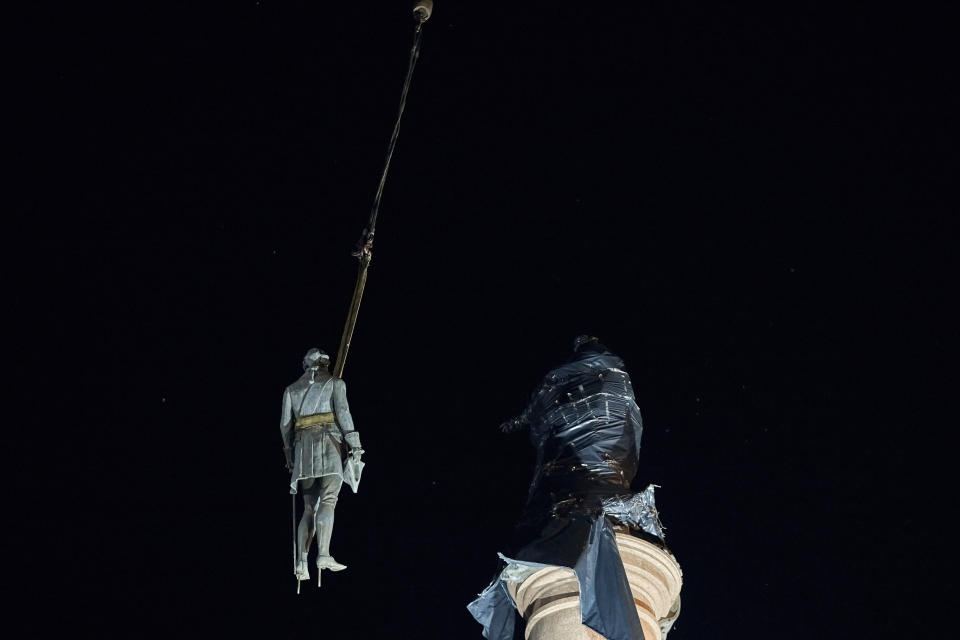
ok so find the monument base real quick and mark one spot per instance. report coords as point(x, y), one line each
point(549, 600)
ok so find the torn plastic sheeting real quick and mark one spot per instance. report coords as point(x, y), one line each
point(606, 603)
point(638, 511)
point(495, 610)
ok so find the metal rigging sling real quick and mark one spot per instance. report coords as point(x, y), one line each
point(364, 249)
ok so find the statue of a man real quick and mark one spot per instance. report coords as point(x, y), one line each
point(586, 426)
point(584, 422)
point(314, 424)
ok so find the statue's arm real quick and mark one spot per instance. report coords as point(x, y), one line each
point(286, 426)
point(523, 420)
point(342, 411)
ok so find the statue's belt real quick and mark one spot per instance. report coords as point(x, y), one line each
point(317, 419)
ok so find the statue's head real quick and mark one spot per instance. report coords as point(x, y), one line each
point(583, 340)
point(315, 359)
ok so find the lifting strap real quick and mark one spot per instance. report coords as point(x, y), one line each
point(364, 248)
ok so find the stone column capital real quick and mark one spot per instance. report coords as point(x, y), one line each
point(549, 599)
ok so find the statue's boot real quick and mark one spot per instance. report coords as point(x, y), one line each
point(324, 532)
point(327, 562)
point(302, 571)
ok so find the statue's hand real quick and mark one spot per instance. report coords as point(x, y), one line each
point(287, 454)
point(356, 453)
point(511, 426)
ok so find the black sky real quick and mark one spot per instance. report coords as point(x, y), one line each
point(745, 205)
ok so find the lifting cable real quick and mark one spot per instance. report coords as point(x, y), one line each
point(364, 249)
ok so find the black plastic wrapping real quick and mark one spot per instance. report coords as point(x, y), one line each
point(586, 427)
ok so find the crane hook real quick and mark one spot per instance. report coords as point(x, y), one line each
point(422, 10)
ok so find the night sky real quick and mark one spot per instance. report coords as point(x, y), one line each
point(743, 205)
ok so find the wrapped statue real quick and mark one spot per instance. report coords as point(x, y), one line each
point(585, 425)
point(317, 432)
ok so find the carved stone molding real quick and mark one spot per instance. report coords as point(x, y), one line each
point(549, 600)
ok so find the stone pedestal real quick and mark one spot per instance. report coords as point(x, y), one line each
point(655, 581)
point(549, 600)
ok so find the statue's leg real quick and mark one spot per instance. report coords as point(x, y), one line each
point(310, 490)
point(329, 491)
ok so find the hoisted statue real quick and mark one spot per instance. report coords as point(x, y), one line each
point(315, 424)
